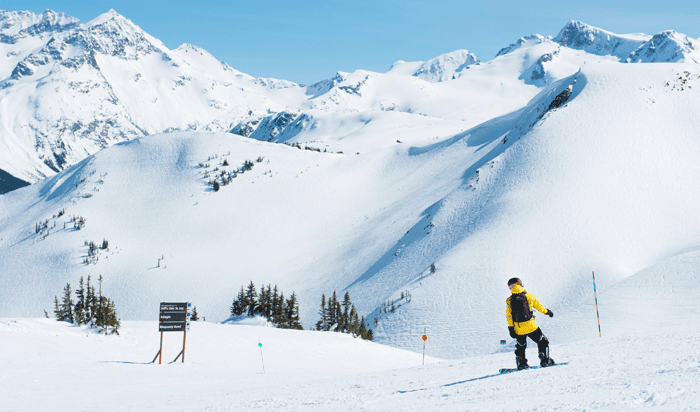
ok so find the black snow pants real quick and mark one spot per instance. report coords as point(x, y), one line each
point(538, 337)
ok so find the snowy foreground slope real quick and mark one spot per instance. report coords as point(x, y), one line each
point(52, 366)
point(597, 173)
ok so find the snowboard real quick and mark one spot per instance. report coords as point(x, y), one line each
point(509, 370)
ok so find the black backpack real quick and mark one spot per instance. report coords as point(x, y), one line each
point(520, 308)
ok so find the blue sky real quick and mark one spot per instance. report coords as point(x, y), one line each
point(308, 41)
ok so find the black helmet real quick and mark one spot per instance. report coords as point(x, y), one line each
point(513, 281)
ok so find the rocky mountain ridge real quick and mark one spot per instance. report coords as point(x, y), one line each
point(69, 89)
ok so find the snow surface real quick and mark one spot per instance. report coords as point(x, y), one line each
point(50, 365)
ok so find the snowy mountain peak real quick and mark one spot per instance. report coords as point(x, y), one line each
point(115, 35)
point(667, 46)
point(189, 47)
point(576, 33)
point(11, 22)
point(523, 41)
point(18, 24)
point(581, 36)
point(103, 18)
point(446, 66)
point(442, 68)
point(324, 86)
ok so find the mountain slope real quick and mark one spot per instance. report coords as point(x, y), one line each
point(571, 183)
point(580, 192)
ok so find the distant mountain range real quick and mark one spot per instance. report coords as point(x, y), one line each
point(69, 89)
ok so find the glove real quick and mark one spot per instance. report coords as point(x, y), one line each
point(550, 313)
point(511, 330)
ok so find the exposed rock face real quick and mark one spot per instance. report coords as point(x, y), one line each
point(580, 36)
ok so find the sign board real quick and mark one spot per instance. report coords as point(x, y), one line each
point(174, 317)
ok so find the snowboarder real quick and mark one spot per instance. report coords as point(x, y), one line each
point(521, 324)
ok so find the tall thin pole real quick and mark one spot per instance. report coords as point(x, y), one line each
point(261, 355)
point(595, 294)
point(159, 355)
point(424, 337)
point(184, 340)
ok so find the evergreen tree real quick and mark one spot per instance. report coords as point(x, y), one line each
point(322, 323)
point(265, 302)
point(332, 313)
point(80, 303)
point(66, 308)
point(342, 317)
point(292, 310)
point(251, 298)
point(91, 301)
point(105, 313)
point(195, 316)
point(274, 314)
point(279, 317)
point(362, 331)
point(239, 306)
point(57, 309)
point(345, 317)
point(354, 326)
point(338, 315)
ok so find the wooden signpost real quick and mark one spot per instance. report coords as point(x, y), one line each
point(174, 317)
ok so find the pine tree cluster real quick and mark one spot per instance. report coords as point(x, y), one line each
point(90, 308)
point(221, 177)
point(342, 317)
point(270, 304)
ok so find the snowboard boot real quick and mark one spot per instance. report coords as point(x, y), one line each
point(545, 360)
point(521, 361)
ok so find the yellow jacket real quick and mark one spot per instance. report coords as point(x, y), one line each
point(523, 328)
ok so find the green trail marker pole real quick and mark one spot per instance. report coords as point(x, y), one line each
point(261, 356)
point(595, 294)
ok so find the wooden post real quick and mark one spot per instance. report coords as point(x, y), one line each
point(184, 339)
point(182, 352)
point(595, 294)
point(160, 351)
